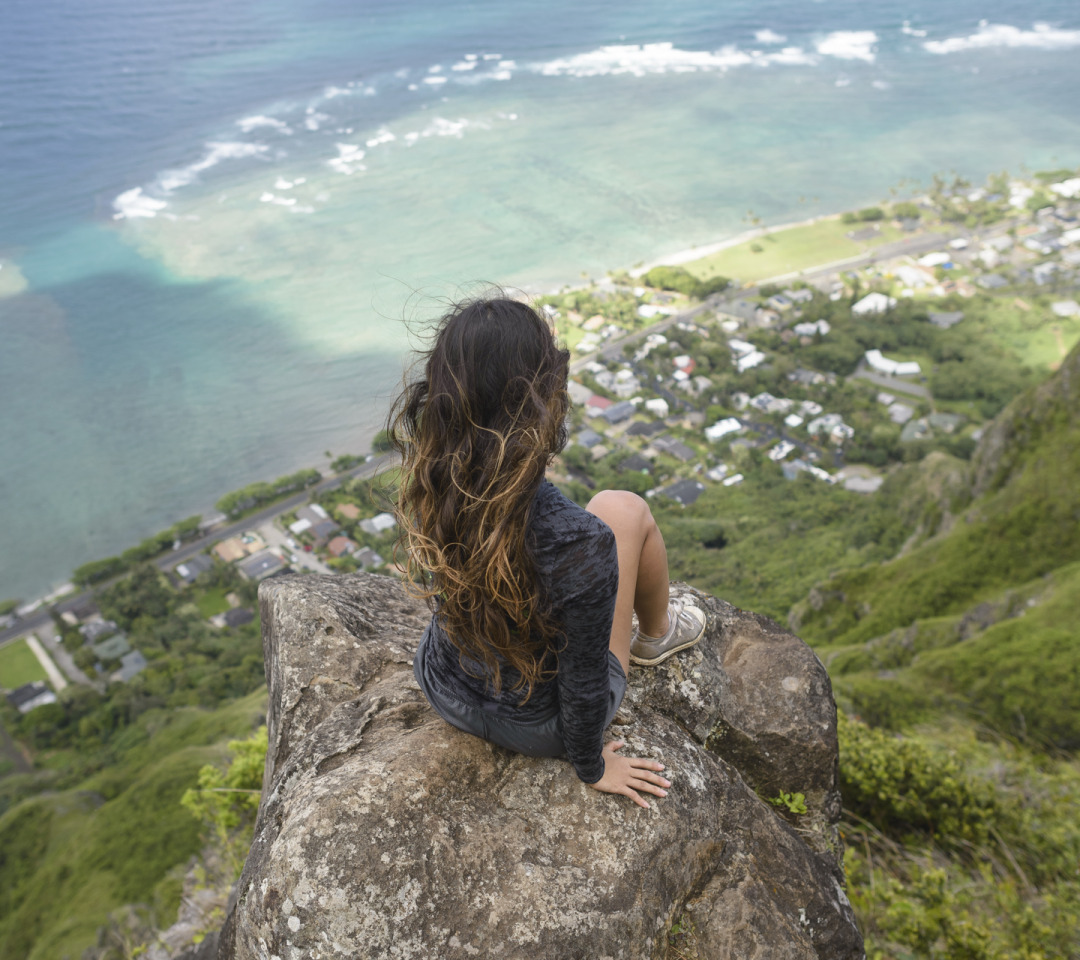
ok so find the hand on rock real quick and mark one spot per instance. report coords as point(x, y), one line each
point(628, 775)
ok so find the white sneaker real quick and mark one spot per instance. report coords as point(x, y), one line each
point(686, 626)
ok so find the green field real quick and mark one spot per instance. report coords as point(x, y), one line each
point(212, 602)
point(789, 251)
point(18, 665)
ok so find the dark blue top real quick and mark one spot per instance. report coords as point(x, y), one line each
point(578, 570)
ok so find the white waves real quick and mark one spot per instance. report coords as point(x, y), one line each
point(133, 204)
point(656, 58)
point(348, 160)
point(170, 180)
point(1041, 36)
point(247, 124)
point(849, 45)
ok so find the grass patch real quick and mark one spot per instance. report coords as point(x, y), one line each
point(212, 603)
point(18, 665)
point(790, 251)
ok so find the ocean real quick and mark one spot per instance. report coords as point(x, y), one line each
point(219, 222)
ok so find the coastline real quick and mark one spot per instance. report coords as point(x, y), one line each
point(690, 254)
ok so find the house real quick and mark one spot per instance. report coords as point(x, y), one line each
point(684, 491)
point(261, 565)
point(873, 303)
point(939, 258)
point(350, 511)
point(749, 361)
point(83, 609)
point(379, 523)
point(340, 546)
point(814, 327)
point(793, 468)
point(740, 347)
point(618, 412)
point(636, 463)
point(1065, 308)
point(579, 393)
point(945, 422)
point(741, 309)
point(781, 450)
point(96, 630)
point(588, 439)
point(324, 530)
point(733, 480)
point(722, 428)
point(657, 406)
point(779, 302)
point(892, 368)
point(946, 319)
point(685, 363)
point(992, 281)
point(596, 405)
point(914, 277)
point(810, 409)
point(113, 648)
point(31, 695)
point(313, 513)
point(130, 664)
point(642, 428)
point(1043, 273)
point(807, 378)
point(718, 472)
point(367, 557)
point(237, 617)
point(863, 484)
point(793, 420)
point(190, 569)
point(236, 548)
point(900, 412)
point(672, 447)
point(799, 296)
point(625, 384)
point(915, 430)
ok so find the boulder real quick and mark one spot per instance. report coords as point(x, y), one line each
point(385, 833)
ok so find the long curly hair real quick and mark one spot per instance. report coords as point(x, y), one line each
point(476, 431)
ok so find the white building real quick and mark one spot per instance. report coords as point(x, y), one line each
point(891, 368)
point(750, 361)
point(809, 329)
point(722, 428)
point(657, 406)
point(873, 303)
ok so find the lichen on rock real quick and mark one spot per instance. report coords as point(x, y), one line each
point(385, 833)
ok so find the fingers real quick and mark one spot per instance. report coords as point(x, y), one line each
point(637, 798)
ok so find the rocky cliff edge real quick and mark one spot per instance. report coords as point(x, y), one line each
point(385, 833)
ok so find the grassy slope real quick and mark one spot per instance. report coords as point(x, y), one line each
point(70, 857)
point(1021, 525)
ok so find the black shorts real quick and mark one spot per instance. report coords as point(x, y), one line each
point(541, 738)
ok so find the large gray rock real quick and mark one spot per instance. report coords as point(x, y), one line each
point(385, 833)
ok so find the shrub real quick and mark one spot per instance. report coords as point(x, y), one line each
point(904, 787)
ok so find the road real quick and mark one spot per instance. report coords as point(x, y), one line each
point(168, 560)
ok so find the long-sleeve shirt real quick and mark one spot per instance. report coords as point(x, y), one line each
point(578, 569)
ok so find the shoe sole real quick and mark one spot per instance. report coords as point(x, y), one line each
point(668, 654)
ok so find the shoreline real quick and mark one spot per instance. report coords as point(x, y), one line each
point(690, 254)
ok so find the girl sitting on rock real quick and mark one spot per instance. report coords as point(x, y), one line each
point(533, 597)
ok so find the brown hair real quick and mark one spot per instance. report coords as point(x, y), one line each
point(476, 431)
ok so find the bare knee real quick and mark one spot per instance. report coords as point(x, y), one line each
point(622, 509)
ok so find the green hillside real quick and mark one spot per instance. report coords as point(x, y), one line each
point(67, 858)
point(1015, 520)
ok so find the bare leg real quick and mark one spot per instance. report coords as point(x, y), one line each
point(643, 569)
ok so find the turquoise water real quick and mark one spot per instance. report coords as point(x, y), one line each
point(215, 222)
